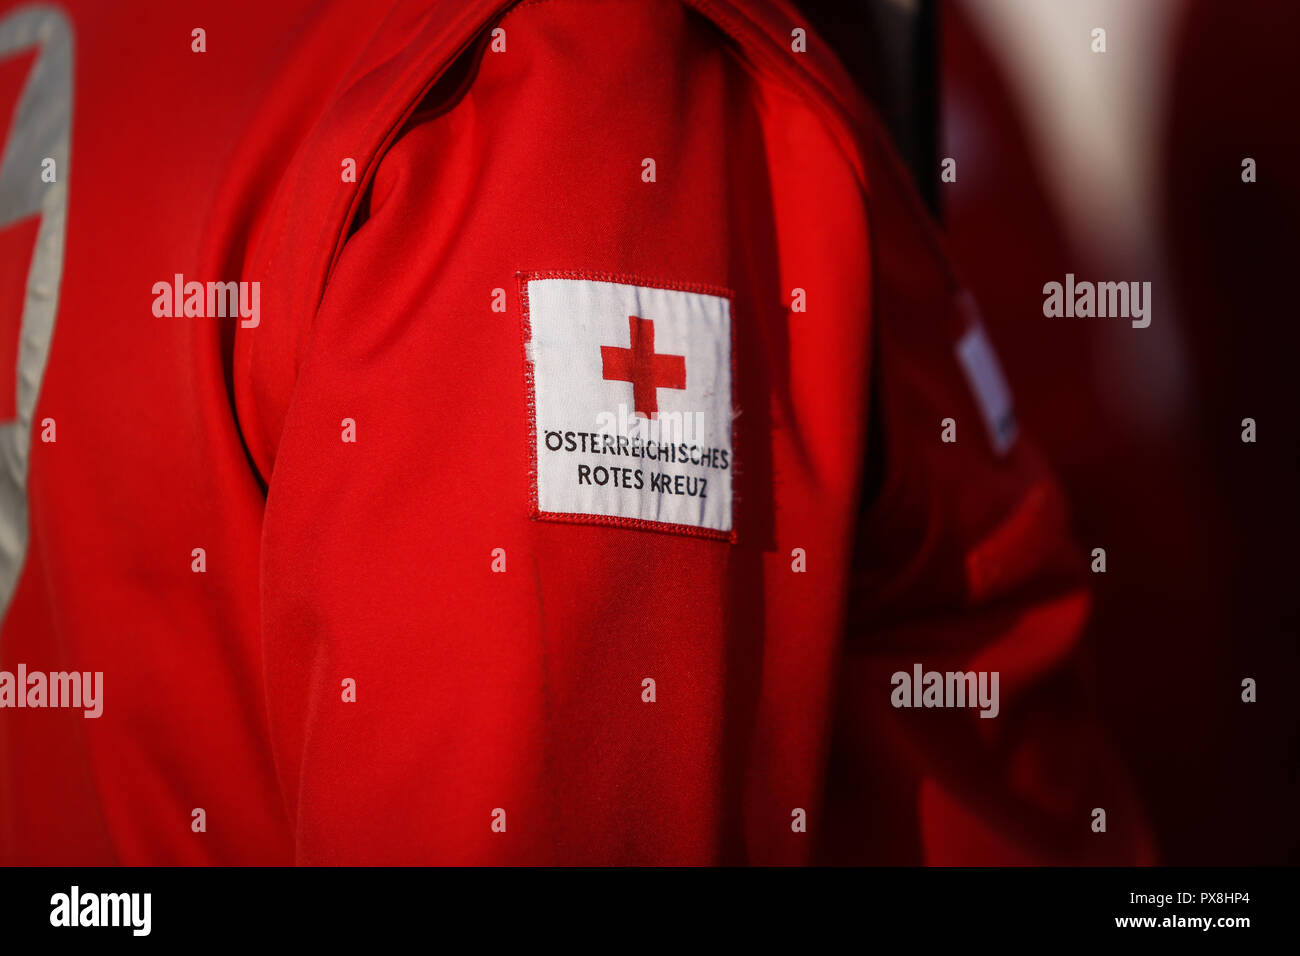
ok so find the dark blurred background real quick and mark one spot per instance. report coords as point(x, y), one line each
point(1127, 166)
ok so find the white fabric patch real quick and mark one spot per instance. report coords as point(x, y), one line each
point(992, 395)
point(632, 403)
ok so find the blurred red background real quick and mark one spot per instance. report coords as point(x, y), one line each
point(1127, 166)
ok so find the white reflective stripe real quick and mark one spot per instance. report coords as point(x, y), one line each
point(41, 128)
point(984, 375)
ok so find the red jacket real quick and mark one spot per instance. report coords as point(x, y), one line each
point(462, 597)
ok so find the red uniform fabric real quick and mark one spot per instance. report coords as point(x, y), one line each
point(499, 714)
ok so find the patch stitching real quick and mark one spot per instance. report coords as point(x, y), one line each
point(530, 403)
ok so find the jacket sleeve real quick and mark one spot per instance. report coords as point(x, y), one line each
point(964, 564)
point(492, 662)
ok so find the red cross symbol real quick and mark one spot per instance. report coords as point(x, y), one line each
point(639, 365)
